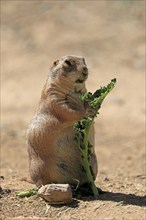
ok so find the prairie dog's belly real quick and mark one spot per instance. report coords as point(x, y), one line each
point(59, 159)
point(69, 160)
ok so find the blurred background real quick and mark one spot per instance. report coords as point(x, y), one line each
point(110, 35)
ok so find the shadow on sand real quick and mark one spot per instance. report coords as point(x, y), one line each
point(124, 199)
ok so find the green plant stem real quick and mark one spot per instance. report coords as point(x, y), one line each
point(86, 160)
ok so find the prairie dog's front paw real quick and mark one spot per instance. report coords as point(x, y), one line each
point(89, 109)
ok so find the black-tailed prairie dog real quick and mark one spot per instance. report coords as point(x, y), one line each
point(54, 156)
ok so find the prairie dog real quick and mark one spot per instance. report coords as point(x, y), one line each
point(54, 156)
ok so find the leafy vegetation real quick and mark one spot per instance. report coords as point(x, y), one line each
point(27, 193)
point(83, 126)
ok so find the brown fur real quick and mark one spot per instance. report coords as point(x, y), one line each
point(54, 156)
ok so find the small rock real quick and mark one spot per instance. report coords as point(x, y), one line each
point(56, 193)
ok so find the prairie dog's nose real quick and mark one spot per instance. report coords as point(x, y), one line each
point(85, 70)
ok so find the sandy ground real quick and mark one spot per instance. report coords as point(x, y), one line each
point(110, 35)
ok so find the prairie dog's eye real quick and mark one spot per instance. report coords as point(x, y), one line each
point(68, 62)
point(56, 62)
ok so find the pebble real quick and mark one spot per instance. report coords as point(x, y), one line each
point(56, 193)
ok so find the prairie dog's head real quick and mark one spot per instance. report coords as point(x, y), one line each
point(70, 68)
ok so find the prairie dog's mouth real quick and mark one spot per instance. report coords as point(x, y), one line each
point(83, 79)
point(79, 80)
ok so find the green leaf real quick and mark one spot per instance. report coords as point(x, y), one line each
point(27, 193)
point(83, 126)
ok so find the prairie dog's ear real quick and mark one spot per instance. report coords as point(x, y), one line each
point(55, 62)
